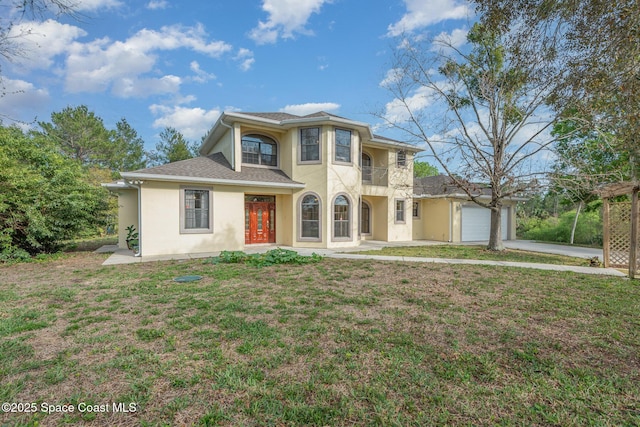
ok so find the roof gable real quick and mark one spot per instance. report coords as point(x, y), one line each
point(286, 121)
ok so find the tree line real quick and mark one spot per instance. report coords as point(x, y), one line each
point(50, 177)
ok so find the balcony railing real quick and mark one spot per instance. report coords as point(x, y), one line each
point(375, 176)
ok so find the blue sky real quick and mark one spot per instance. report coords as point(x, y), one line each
point(161, 63)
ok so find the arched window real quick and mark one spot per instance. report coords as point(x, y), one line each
point(310, 217)
point(259, 150)
point(341, 217)
point(367, 170)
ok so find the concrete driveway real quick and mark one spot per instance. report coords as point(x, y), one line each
point(551, 248)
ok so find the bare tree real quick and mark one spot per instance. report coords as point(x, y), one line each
point(13, 12)
point(596, 43)
point(481, 110)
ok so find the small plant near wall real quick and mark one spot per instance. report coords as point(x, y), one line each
point(133, 242)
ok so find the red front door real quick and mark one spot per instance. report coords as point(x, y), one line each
point(260, 222)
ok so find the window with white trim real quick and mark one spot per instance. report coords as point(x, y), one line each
point(342, 151)
point(259, 150)
point(310, 217)
point(341, 217)
point(195, 210)
point(401, 159)
point(400, 208)
point(310, 144)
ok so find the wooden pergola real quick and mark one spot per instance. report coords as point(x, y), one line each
point(620, 221)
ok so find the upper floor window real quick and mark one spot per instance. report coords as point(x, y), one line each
point(343, 146)
point(309, 144)
point(367, 170)
point(401, 159)
point(259, 150)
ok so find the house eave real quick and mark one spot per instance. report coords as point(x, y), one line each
point(115, 186)
point(379, 143)
point(192, 179)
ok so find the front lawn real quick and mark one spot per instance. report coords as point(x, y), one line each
point(337, 342)
point(477, 252)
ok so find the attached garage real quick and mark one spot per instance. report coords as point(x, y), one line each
point(476, 223)
point(443, 212)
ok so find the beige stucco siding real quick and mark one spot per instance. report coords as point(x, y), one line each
point(127, 214)
point(224, 146)
point(161, 221)
point(434, 221)
point(161, 218)
point(380, 218)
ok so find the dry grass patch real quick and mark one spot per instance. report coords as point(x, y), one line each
point(479, 252)
point(339, 342)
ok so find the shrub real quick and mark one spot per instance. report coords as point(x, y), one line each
point(232, 257)
point(272, 257)
point(46, 198)
point(552, 229)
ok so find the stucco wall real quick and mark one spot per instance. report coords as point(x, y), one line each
point(434, 220)
point(127, 214)
point(160, 233)
point(224, 146)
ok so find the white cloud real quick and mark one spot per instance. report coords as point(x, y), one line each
point(40, 42)
point(21, 97)
point(422, 13)
point(309, 108)
point(392, 77)
point(246, 59)
point(201, 75)
point(98, 65)
point(456, 38)
point(286, 18)
point(397, 111)
point(93, 5)
point(157, 4)
point(140, 88)
point(175, 37)
point(193, 123)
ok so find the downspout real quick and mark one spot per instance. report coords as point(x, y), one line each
point(233, 143)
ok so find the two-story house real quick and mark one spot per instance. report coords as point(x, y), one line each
point(317, 181)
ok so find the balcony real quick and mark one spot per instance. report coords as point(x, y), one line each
point(375, 176)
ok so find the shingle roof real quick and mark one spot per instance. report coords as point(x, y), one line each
point(273, 116)
point(324, 114)
point(280, 116)
point(214, 167)
point(442, 185)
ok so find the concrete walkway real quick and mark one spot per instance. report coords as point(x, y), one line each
point(123, 256)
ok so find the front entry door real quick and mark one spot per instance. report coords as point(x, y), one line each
point(260, 222)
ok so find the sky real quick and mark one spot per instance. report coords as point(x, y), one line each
point(160, 63)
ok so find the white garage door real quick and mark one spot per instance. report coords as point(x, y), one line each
point(476, 223)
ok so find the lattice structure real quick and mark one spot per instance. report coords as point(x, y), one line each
point(619, 234)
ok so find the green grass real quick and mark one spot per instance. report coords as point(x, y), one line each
point(477, 252)
point(337, 342)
